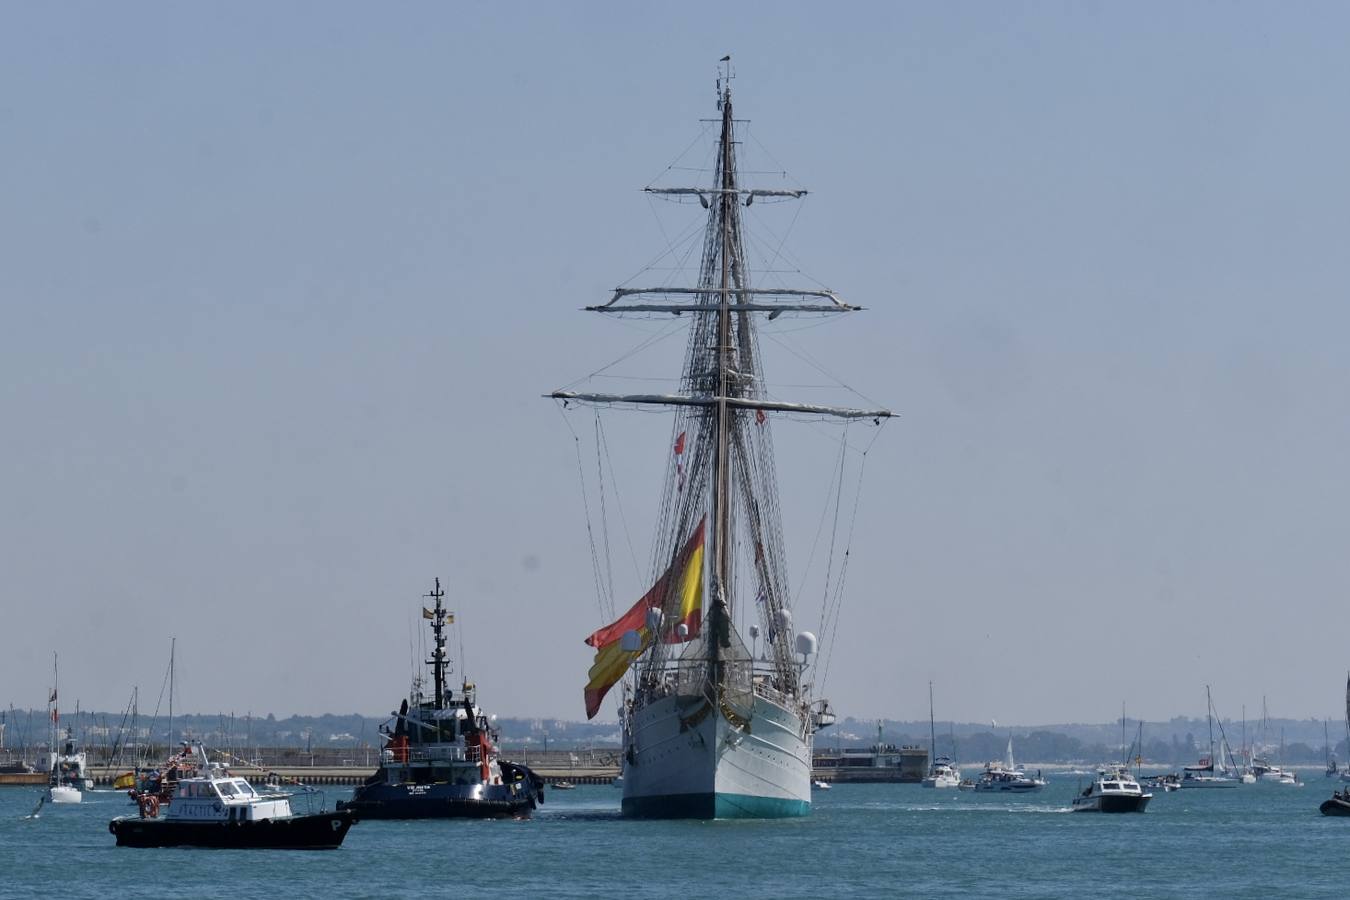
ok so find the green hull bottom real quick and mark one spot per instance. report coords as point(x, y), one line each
point(713, 806)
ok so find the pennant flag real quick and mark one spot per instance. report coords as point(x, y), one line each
point(427, 614)
point(679, 466)
point(449, 618)
point(683, 580)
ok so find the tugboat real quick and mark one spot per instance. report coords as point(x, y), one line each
point(1114, 791)
point(440, 759)
point(212, 808)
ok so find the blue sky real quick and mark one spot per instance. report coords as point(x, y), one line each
point(282, 285)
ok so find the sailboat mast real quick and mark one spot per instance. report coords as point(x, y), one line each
point(56, 709)
point(1209, 716)
point(932, 728)
point(173, 649)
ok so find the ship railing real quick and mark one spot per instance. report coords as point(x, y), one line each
point(437, 754)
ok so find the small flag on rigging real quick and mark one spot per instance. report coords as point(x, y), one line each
point(679, 466)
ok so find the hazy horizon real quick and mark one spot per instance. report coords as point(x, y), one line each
point(284, 285)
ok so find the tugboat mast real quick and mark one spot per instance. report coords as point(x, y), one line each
point(438, 661)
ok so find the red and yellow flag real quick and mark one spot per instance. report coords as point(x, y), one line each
point(685, 579)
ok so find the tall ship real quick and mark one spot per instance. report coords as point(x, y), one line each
point(711, 726)
point(440, 757)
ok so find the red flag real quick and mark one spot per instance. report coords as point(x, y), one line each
point(760, 417)
point(679, 444)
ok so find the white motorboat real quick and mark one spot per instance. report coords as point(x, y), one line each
point(943, 774)
point(1005, 777)
point(820, 785)
point(1114, 790)
point(213, 808)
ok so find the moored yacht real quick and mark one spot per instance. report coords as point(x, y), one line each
point(1114, 790)
point(943, 774)
point(213, 808)
point(1204, 775)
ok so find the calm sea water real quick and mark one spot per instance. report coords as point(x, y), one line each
point(860, 841)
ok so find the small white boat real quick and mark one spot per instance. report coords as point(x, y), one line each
point(63, 793)
point(820, 785)
point(943, 774)
point(1005, 777)
point(1113, 791)
point(1165, 783)
point(1280, 776)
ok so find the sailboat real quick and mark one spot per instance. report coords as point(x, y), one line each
point(66, 767)
point(1206, 775)
point(943, 773)
point(1263, 768)
point(708, 729)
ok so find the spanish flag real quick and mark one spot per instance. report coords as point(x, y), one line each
point(683, 580)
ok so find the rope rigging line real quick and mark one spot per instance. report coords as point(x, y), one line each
point(702, 134)
point(810, 361)
point(673, 328)
point(604, 514)
point(605, 603)
point(614, 482)
point(837, 488)
point(843, 569)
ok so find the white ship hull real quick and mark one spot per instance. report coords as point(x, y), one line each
point(63, 794)
point(686, 760)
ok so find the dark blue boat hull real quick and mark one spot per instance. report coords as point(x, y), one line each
point(384, 800)
point(321, 831)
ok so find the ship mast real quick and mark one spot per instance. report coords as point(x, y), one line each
point(438, 659)
point(719, 614)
